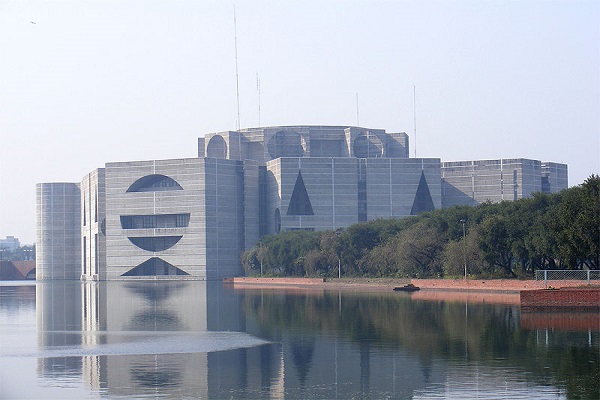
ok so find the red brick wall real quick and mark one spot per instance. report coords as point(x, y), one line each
point(579, 298)
point(494, 284)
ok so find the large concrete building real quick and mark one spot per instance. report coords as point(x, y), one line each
point(475, 182)
point(191, 218)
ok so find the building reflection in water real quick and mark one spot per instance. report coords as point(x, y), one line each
point(97, 319)
point(199, 339)
point(94, 317)
point(59, 323)
point(126, 310)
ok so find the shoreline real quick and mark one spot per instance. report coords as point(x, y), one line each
point(388, 284)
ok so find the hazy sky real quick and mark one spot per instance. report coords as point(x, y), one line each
point(83, 83)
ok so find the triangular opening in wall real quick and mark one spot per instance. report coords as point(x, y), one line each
point(300, 202)
point(154, 267)
point(423, 201)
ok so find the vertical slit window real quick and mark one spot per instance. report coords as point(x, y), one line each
point(84, 255)
point(96, 253)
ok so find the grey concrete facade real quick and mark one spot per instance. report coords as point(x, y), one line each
point(187, 220)
point(400, 188)
point(329, 189)
point(475, 182)
point(58, 231)
point(269, 143)
point(339, 192)
point(191, 218)
point(555, 177)
point(144, 224)
point(93, 225)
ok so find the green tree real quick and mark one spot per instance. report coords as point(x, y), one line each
point(285, 252)
point(420, 250)
point(458, 252)
point(540, 238)
point(358, 240)
point(315, 264)
point(578, 221)
point(250, 261)
point(496, 242)
point(19, 254)
point(331, 250)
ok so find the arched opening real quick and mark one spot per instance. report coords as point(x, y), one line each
point(154, 183)
point(217, 147)
point(285, 144)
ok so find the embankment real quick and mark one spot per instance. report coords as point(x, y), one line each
point(386, 284)
point(566, 298)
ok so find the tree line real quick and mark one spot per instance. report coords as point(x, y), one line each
point(20, 253)
point(509, 239)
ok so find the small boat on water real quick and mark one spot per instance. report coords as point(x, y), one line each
point(407, 288)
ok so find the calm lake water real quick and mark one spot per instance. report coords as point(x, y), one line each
point(202, 340)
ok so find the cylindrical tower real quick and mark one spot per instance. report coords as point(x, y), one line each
point(58, 231)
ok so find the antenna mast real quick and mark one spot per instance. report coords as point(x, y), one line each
point(415, 116)
point(357, 121)
point(258, 90)
point(237, 84)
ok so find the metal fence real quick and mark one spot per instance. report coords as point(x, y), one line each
point(560, 275)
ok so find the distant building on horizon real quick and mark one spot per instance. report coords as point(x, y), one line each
point(191, 218)
point(11, 243)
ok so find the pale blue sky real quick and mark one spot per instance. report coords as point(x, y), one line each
point(98, 81)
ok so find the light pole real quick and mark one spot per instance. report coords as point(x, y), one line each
point(339, 252)
point(464, 221)
point(261, 255)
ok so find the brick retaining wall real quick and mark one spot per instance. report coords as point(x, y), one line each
point(566, 298)
point(495, 284)
point(364, 284)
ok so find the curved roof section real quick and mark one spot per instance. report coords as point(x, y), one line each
point(154, 183)
point(155, 243)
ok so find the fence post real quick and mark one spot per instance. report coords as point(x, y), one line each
point(588, 277)
point(545, 279)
